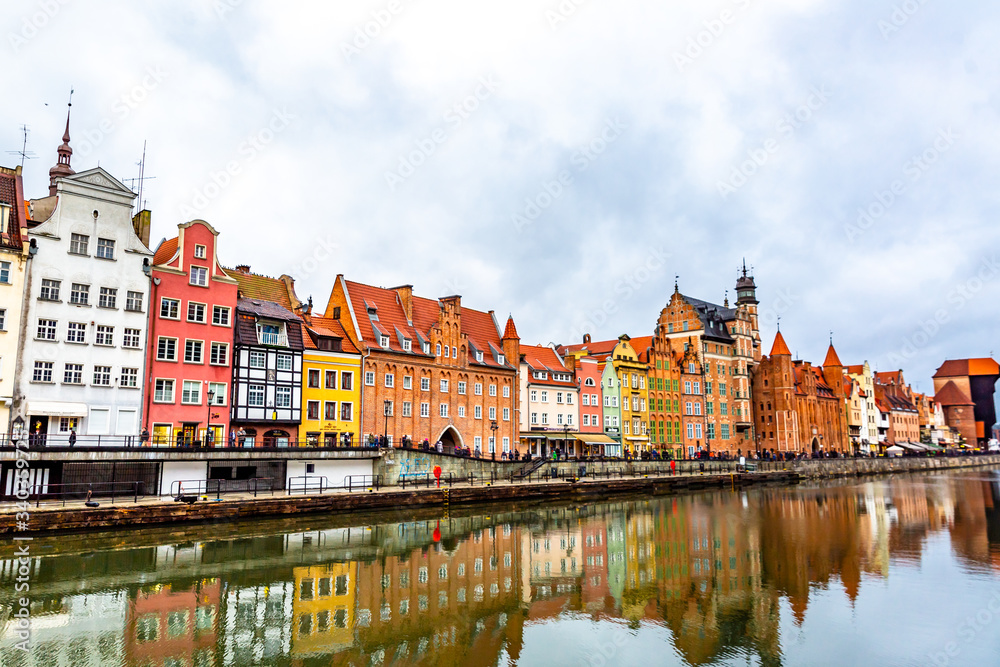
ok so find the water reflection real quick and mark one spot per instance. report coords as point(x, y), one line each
point(710, 578)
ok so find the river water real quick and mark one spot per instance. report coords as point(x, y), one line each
point(901, 570)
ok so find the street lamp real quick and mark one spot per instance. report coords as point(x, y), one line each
point(208, 417)
point(565, 438)
point(493, 443)
point(387, 409)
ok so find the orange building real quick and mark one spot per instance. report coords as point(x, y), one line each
point(800, 407)
point(432, 369)
point(966, 383)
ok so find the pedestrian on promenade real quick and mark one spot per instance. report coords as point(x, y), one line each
point(72, 437)
point(673, 466)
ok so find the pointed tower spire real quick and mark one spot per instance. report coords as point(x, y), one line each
point(725, 302)
point(780, 347)
point(831, 358)
point(62, 167)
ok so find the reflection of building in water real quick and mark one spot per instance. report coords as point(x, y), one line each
point(257, 623)
point(616, 555)
point(71, 630)
point(173, 624)
point(554, 562)
point(975, 534)
point(323, 608)
point(456, 602)
point(596, 591)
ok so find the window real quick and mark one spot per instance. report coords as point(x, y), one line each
point(106, 248)
point(545, 417)
point(697, 407)
point(220, 316)
point(129, 378)
point(586, 399)
point(437, 350)
point(569, 398)
point(76, 332)
point(191, 392)
point(102, 376)
point(407, 345)
point(545, 397)
point(170, 309)
point(443, 410)
point(312, 410)
point(477, 412)
point(369, 379)
point(390, 381)
point(163, 391)
point(425, 409)
point(199, 251)
point(79, 294)
point(105, 335)
point(479, 356)
point(493, 390)
point(384, 341)
point(283, 397)
point(166, 349)
point(258, 359)
point(500, 359)
point(131, 338)
point(199, 276)
point(425, 384)
point(42, 372)
point(193, 351)
point(559, 396)
point(331, 379)
point(688, 409)
point(586, 420)
point(461, 411)
point(50, 290)
point(461, 388)
point(46, 330)
point(330, 410)
point(133, 301)
point(78, 244)
point(534, 417)
point(506, 391)
point(407, 382)
point(284, 362)
point(196, 312)
point(255, 395)
point(3, 318)
point(388, 408)
point(73, 374)
point(407, 409)
point(478, 389)
point(219, 355)
point(5, 272)
point(444, 386)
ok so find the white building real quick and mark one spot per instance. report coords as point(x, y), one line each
point(550, 405)
point(84, 324)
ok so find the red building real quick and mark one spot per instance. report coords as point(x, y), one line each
point(588, 379)
point(193, 303)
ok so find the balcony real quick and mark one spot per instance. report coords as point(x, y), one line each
point(269, 338)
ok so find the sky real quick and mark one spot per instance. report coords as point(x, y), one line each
point(564, 162)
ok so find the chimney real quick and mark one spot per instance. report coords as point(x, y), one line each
point(586, 339)
point(243, 268)
point(141, 223)
point(405, 295)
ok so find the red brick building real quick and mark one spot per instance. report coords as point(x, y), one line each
point(973, 380)
point(800, 407)
point(432, 369)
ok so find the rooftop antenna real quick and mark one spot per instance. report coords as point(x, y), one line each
point(24, 152)
point(142, 177)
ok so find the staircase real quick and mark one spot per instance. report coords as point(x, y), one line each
point(528, 469)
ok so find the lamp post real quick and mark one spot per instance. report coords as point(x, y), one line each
point(565, 438)
point(208, 417)
point(493, 442)
point(387, 410)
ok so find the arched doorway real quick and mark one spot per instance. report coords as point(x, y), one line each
point(815, 444)
point(276, 438)
point(450, 438)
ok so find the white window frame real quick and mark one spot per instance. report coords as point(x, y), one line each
point(219, 310)
point(198, 276)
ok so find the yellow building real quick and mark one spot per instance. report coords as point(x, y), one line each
point(633, 375)
point(862, 373)
point(331, 393)
point(323, 608)
point(13, 264)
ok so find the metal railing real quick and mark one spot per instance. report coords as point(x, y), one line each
point(85, 491)
point(416, 479)
point(306, 484)
point(218, 487)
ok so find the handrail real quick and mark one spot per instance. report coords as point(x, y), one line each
point(206, 487)
point(87, 490)
point(307, 483)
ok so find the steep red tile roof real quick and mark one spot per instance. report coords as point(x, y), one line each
point(856, 369)
point(263, 288)
point(166, 250)
point(480, 327)
point(641, 346)
point(779, 346)
point(965, 367)
point(510, 331)
point(542, 358)
point(11, 194)
point(329, 328)
point(831, 358)
point(950, 394)
point(889, 377)
point(600, 349)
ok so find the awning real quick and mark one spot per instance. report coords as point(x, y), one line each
point(910, 446)
point(56, 409)
point(596, 439)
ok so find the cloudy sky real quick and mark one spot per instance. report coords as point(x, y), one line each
point(561, 161)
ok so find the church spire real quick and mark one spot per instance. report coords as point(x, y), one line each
point(62, 167)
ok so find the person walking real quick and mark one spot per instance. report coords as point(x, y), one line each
point(72, 437)
point(673, 467)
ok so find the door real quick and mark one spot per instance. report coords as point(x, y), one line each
point(189, 433)
point(39, 430)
